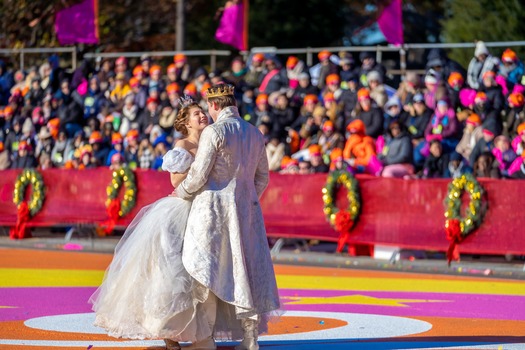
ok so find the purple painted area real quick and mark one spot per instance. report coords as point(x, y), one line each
point(36, 302)
point(454, 305)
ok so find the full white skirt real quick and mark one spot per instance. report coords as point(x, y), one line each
point(146, 292)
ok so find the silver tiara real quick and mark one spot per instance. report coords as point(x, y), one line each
point(185, 101)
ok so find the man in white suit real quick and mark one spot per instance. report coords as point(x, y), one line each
point(225, 245)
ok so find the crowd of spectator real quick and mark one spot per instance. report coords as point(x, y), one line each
point(338, 114)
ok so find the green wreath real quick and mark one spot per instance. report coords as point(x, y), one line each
point(331, 211)
point(36, 201)
point(123, 176)
point(474, 211)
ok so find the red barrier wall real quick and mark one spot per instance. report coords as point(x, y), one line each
point(406, 213)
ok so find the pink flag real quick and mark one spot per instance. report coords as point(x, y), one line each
point(78, 23)
point(391, 22)
point(233, 27)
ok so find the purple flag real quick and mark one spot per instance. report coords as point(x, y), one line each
point(78, 23)
point(391, 23)
point(232, 28)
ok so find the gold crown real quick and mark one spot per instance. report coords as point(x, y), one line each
point(220, 90)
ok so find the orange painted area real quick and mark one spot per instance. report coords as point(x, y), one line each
point(44, 259)
point(466, 327)
point(286, 325)
point(349, 272)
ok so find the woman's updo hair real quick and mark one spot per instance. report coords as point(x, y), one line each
point(182, 118)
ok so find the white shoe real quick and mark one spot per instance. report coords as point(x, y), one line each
point(205, 344)
point(172, 344)
point(248, 344)
point(251, 333)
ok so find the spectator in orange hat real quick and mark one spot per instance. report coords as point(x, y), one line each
point(511, 67)
point(149, 117)
point(155, 81)
point(486, 143)
point(173, 90)
point(100, 149)
point(493, 91)
point(262, 110)
point(25, 158)
point(255, 72)
point(305, 122)
point(472, 133)
point(190, 90)
point(371, 115)
point(139, 93)
point(359, 150)
point(86, 159)
point(455, 83)
point(516, 114)
point(337, 161)
point(333, 85)
point(327, 68)
point(329, 138)
point(289, 166)
point(139, 73)
point(183, 71)
point(118, 148)
point(316, 159)
point(294, 67)
point(171, 73)
point(60, 149)
point(487, 114)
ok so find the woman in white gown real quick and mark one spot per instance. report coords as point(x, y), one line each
point(146, 292)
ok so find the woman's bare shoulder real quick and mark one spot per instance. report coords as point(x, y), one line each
point(187, 145)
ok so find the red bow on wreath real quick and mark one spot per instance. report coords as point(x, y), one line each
point(113, 212)
point(453, 231)
point(20, 231)
point(343, 224)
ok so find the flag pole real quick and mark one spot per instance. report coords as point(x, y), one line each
point(181, 24)
point(245, 27)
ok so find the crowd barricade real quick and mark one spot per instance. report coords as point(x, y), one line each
point(402, 213)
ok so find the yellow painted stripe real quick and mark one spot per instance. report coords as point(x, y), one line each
point(50, 278)
point(93, 278)
point(400, 285)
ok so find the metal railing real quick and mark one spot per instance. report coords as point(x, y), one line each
point(27, 51)
point(403, 50)
point(212, 53)
point(309, 52)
